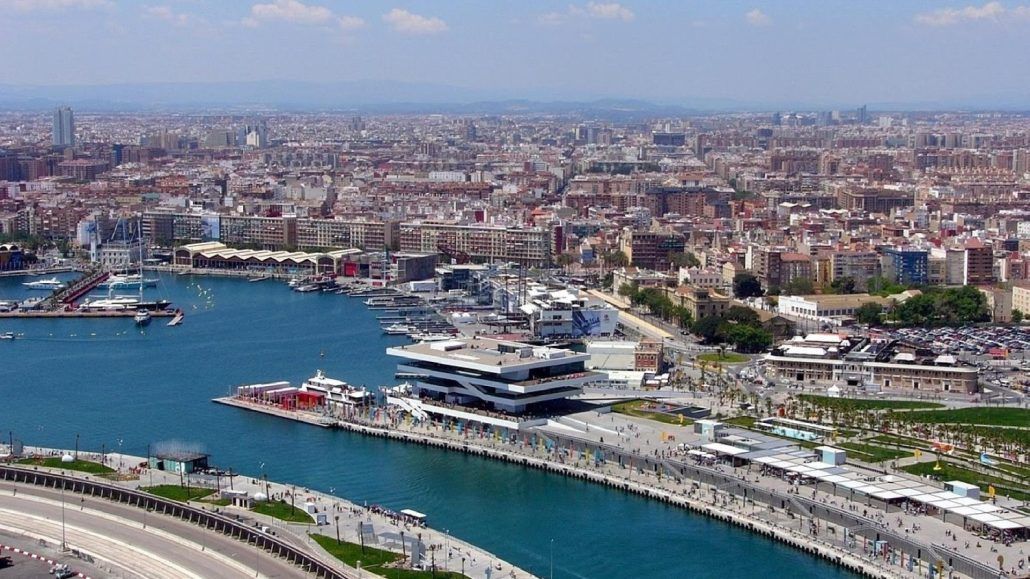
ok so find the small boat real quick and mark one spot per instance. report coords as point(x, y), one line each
point(397, 329)
point(258, 278)
point(142, 317)
point(127, 281)
point(7, 336)
point(309, 287)
point(45, 284)
point(428, 337)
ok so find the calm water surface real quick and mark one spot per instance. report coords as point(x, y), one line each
point(112, 384)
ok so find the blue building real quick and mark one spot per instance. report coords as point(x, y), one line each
point(906, 266)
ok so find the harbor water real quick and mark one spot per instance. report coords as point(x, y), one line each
point(115, 386)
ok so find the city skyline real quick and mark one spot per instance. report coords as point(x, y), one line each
point(701, 55)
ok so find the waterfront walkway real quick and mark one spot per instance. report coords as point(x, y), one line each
point(449, 553)
point(650, 464)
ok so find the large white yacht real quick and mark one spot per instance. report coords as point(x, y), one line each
point(45, 284)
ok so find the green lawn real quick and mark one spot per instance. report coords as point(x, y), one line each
point(79, 465)
point(282, 510)
point(870, 453)
point(178, 493)
point(725, 358)
point(373, 560)
point(742, 421)
point(852, 404)
point(893, 440)
point(951, 471)
point(974, 415)
point(637, 408)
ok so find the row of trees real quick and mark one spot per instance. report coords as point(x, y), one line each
point(935, 306)
point(737, 325)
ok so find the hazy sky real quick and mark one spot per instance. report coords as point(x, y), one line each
point(788, 50)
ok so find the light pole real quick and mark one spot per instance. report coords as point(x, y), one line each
point(64, 542)
point(337, 517)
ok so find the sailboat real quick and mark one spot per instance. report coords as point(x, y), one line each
point(142, 316)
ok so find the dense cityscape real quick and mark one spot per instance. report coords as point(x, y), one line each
point(424, 328)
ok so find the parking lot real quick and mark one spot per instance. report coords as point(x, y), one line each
point(969, 341)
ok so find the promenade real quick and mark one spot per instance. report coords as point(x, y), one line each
point(381, 530)
point(640, 456)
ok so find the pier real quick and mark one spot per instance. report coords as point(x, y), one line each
point(79, 288)
point(127, 313)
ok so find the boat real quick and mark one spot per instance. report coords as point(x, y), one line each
point(308, 287)
point(430, 337)
point(45, 284)
point(115, 302)
point(7, 336)
point(177, 318)
point(127, 281)
point(31, 304)
point(335, 391)
point(258, 278)
point(142, 317)
point(397, 329)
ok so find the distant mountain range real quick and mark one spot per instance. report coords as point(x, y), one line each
point(406, 97)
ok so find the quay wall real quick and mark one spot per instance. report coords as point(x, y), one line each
point(855, 523)
point(843, 558)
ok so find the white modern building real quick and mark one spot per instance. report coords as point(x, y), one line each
point(492, 375)
point(557, 313)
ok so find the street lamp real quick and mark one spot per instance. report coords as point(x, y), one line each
point(337, 517)
point(64, 542)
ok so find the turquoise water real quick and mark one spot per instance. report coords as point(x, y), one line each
point(111, 384)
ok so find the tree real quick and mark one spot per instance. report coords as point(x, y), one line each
point(684, 259)
point(616, 259)
point(746, 285)
point(843, 285)
point(741, 315)
point(749, 339)
point(880, 285)
point(709, 328)
point(685, 318)
point(628, 290)
point(565, 260)
point(799, 286)
point(869, 313)
point(1017, 317)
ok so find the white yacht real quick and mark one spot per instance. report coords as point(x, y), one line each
point(142, 317)
point(128, 281)
point(335, 391)
point(397, 329)
point(430, 337)
point(45, 284)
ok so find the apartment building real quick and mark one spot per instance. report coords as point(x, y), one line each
point(527, 246)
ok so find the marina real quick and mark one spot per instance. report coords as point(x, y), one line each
point(447, 485)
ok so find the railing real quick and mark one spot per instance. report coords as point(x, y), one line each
point(810, 508)
point(201, 517)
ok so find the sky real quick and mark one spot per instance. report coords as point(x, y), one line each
point(813, 51)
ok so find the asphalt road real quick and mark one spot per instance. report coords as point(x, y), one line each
point(117, 537)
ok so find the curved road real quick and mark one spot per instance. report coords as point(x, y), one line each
point(118, 537)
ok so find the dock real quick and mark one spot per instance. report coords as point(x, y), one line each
point(272, 410)
point(20, 314)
